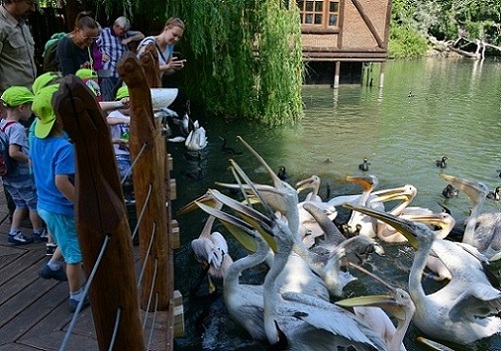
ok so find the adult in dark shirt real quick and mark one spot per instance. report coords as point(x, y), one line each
point(75, 50)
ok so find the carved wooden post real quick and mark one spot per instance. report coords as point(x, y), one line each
point(100, 213)
point(149, 186)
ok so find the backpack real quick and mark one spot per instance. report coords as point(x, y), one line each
point(50, 63)
point(7, 164)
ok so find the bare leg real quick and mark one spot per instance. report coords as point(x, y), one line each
point(18, 216)
point(35, 219)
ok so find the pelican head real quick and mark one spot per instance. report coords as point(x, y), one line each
point(367, 182)
point(312, 182)
point(442, 220)
point(413, 231)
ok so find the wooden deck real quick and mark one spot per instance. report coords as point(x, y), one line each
point(34, 313)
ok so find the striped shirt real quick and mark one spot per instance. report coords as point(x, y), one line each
point(111, 45)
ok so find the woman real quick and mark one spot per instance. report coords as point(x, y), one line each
point(75, 50)
point(164, 42)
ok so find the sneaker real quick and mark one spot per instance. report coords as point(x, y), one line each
point(50, 248)
point(19, 239)
point(72, 304)
point(43, 236)
point(47, 273)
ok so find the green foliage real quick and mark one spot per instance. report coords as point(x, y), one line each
point(444, 19)
point(406, 43)
point(244, 58)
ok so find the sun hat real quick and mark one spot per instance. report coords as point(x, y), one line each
point(86, 73)
point(122, 92)
point(42, 107)
point(16, 96)
point(44, 80)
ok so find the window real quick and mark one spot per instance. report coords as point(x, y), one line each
point(319, 13)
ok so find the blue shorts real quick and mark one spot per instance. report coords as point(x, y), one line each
point(64, 232)
point(123, 164)
point(23, 193)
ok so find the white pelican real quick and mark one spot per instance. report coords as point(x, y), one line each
point(244, 302)
point(482, 231)
point(463, 311)
point(210, 248)
point(308, 226)
point(369, 310)
point(309, 323)
point(197, 139)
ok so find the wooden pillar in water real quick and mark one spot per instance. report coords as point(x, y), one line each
point(337, 69)
point(149, 187)
point(381, 74)
point(101, 219)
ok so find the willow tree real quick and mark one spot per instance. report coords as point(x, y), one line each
point(244, 56)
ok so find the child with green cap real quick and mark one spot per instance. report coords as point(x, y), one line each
point(17, 101)
point(53, 158)
point(119, 121)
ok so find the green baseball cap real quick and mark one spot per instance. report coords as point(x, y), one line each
point(17, 96)
point(122, 92)
point(42, 106)
point(44, 80)
point(86, 73)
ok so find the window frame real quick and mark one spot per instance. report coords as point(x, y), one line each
point(323, 27)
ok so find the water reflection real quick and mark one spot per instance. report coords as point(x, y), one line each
point(455, 112)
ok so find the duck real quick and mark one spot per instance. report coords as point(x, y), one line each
point(364, 166)
point(495, 195)
point(442, 163)
point(228, 149)
point(282, 174)
point(410, 95)
point(450, 191)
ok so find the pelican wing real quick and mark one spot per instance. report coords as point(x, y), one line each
point(323, 315)
point(479, 300)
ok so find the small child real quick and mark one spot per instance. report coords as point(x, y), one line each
point(17, 101)
point(119, 121)
point(53, 158)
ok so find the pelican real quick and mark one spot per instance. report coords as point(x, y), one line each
point(364, 166)
point(210, 249)
point(442, 163)
point(369, 310)
point(463, 311)
point(482, 231)
point(495, 195)
point(309, 323)
point(197, 139)
point(309, 227)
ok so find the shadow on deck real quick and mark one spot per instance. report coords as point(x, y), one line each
point(34, 312)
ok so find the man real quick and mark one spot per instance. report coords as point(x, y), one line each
point(17, 52)
point(17, 47)
point(113, 43)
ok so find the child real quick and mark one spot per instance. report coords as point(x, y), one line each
point(53, 159)
point(17, 101)
point(119, 121)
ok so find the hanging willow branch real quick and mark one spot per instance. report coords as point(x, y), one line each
point(243, 56)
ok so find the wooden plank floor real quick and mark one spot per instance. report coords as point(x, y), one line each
point(34, 313)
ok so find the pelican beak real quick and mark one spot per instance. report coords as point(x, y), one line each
point(403, 193)
point(367, 182)
point(406, 228)
point(206, 198)
point(261, 160)
point(305, 184)
point(433, 345)
point(386, 302)
point(470, 188)
point(240, 229)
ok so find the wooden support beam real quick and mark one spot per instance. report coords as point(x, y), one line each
point(178, 314)
point(174, 235)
